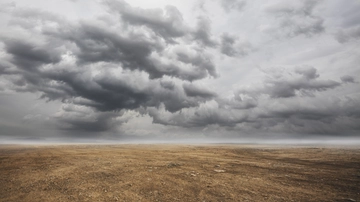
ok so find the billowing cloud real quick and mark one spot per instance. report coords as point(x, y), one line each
point(29, 56)
point(167, 23)
point(100, 69)
point(166, 68)
point(202, 33)
point(273, 106)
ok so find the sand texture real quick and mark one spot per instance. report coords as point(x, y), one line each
point(178, 173)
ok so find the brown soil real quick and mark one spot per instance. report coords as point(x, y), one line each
point(178, 173)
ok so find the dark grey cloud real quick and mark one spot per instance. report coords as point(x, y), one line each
point(79, 118)
point(308, 72)
point(192, 90)
point(99, 41)
point(205, 115)
point(136, 93)
point(167, 85)
point(290, 116)
point(97, 44)
point(227, 45)
point(107, 92)
point(202, 33)
point(231, 46)
point(258, 108)
point(127, 91)
point(347, 79)
point(168, 23)
point(7, 68)
point(200, 60)
point(287, 88)
point(238, 101)
point(149, 65)
point(28, 56)
point(62, 65)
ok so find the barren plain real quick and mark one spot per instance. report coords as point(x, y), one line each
point(178, 173)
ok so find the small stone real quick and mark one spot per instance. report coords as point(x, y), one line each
point(171, 165)
point(219, 171)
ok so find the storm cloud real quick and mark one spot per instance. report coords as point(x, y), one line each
point(132, 69)
point(167, 23)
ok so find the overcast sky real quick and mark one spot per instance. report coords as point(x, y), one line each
point(111, 69)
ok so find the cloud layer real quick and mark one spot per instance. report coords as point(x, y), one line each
point(131, 63)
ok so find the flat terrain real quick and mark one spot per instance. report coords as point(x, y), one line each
point(178, 173)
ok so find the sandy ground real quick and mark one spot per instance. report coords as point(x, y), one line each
point(178, 173)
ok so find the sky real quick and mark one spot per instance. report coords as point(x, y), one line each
point(173, 70)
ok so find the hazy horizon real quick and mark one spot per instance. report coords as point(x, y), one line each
point(314, 141)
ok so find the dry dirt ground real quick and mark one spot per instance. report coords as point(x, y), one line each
point(178, 173)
